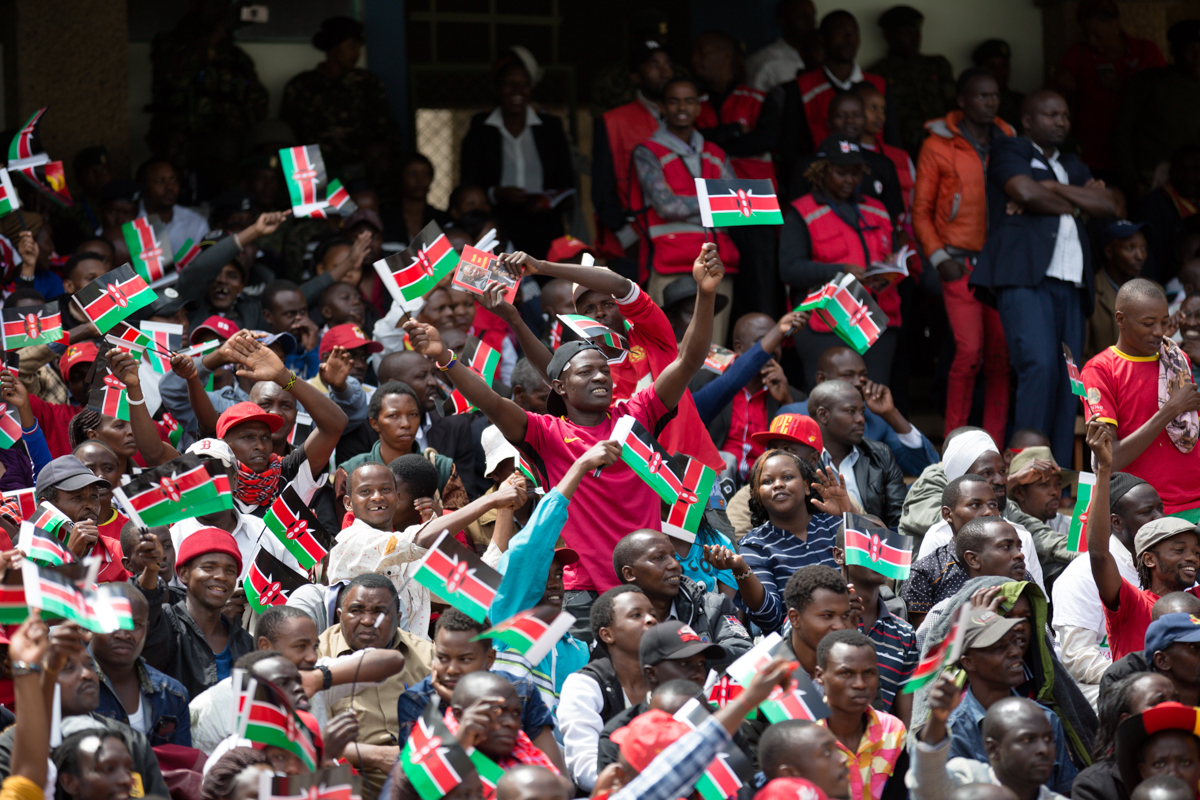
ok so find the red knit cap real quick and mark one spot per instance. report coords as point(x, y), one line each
point(208, 540)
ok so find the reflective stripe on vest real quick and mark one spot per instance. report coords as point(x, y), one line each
point(816, 215)
point(668, 228)
point(879, 212)
point(813, 92)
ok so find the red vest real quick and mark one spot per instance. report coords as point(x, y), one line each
point(816, 93)
point(628, 126)
point(835, 242)
point(742, 106)
point(676, 244)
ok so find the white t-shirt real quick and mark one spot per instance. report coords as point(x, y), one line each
point(1077, 602)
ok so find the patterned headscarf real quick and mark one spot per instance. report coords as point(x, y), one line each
point(1174, 370)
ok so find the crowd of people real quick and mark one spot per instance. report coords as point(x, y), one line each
point(1034, 647)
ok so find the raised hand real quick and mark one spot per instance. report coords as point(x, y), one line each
point(426, 508)
point(519, 262)
point(27, 248)
point(511, 493)
point(123, 367)
point(601, 454)
point(878, 398)
point(30, 642)
point(336, 368)
point(14, 392)
point(776, 382)
point(478, 720)
point(707, 270)
point(67, 640)
point(988, 598)
point(943, 698)
point(184, 367)
point(269, 222)
point(259, 363)
point(1099, 439)
point(792, 321)
point(147, 555)
point(424, 338)
point(831, 486)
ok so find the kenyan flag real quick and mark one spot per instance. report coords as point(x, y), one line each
point(432, 759)
point(49, 180)
point(161, 339)
point(13, 609)
point(56, 594)
point(304, 172)
point(49, 519)
point(270, 582)
point(459, 577)
point(650, 461)
point(26, 147)
point(531, 633)
point(878, 549)
point(109, 608)
point(149, 248)
point(174, 429)
point(848, 309)
point(533, 478)
point(723, 691)
point(42, 546)
point(298, 529)
point(484, 362)
point(489, 771)
point(339, 199)
point(110, 398)
point(10, 428)
point(30, 325)
point(9, 202)
point(26, 501)
point(800, 701)
point(114, 296)
point(588, 329)
point(943, 655)
point(729, 771)
point(1077, 535)
point(186, 252)
point(175, 490)
point(412, 273)
point(725, 204)
point(687, 509)
point(267, 718)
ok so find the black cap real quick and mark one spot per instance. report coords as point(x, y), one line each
point(129, 191)
point(900, 17)
point(336, 30)
point(1120, 485)
point(167, 305)
point(992, 48)
point(231, 202)
point(67, 473)
point(673, 639)
point(1122, 229)
point(685, 289)
point(643, 51)
point(555, 405)
point(841, 151)
point(90, 156)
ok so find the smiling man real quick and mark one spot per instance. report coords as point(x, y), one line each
point(1151, 438)
point(191, 640)
point(66, 484)
point(647, 560)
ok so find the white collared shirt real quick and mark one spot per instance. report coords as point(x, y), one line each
point(772, 65)
point(1067, 262)
point(846, 469)
point(855, 77)
point(521, 164)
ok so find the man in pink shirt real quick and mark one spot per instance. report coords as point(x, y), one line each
point(581, 414)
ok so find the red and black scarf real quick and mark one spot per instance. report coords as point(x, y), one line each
point(260, 489)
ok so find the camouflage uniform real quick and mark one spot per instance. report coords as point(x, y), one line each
point(341, 114)
point(918, 89)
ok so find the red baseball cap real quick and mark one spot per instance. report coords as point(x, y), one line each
point(790, 789)
point(222, 327)
point(646, 736)
point(82, 353)
point(791, 428)
point(566, 556)
point(246, 412)
point(208, 540)
point(565, 247)
point(349, 336)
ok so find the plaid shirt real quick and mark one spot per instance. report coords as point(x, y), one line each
point(932, 579)
point(878, 751)
point(674, 772)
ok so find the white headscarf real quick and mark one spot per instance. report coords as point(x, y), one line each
point(963, 450)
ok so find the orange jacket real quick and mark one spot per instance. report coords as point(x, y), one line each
point(950, 203)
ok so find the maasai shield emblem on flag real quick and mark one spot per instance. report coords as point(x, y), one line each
point(176, 490)
point(725, 204)
point(270, 582)
point(848, 309)
point(298, 529)
point(412, 273)
point(650, 460)
point(1077, 534)
point(114, 296)
point(110, 398)
point(149, 248)
point(459, 577)
point(483, 362)
point(683, 515)
point(304, 172)
point(10, 426)
point(30, 325)
point(879, 549)
point(268, 718)
point(432, 758)
point(531, 633)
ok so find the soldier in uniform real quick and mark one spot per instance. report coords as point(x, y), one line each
point(919, 87)
point(337, 105)
point(995, 56)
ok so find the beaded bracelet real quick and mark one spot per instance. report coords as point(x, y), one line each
point(453, 360)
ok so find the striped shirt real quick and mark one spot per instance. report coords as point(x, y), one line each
point(895, 650)
point(932, 579)
point(775, 554)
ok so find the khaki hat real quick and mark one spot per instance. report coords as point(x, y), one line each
point(985, 628)
point(1159, 530)
point(1029, 454)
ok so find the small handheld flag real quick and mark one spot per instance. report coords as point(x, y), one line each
point(10, 427)
point(25, 148)
point(113, 297)
point(533, 478)
point(186, 252)
point(1077, 534)
point(649, 459)
point(110, 398)
point(729, 771)
point(413, 272)
point(1077, 387)
point(589, 330)
point(432, 759)
point(49, 519)
point(42, 546)
point(332, 783)
point(725, 204)
point(49, 180)
point(848, 309)
point(270, 582)
point(338, 198)
point(26, 501)
point(165, 339)
point(800, 701)
point(683, 516)
point(30, 325)
point(532, 633)
point(55, 593)
point(881, 550)
point(459, 577)
point(304, 172)
point(267, 717)
point(941, 656)
point(723, 691)
point(298, 529)
point(149, 248)
point(484, 362)
point(13, 609)
point(9, 200)
point(182, 488)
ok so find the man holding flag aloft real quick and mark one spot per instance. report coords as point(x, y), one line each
point(582, 415)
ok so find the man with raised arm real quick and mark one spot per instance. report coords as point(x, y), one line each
point(581, 414)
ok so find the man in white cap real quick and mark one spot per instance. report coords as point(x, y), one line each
point(973, 452)
point(501, 460)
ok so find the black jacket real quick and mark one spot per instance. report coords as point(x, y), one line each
point(601, 670)
point(711, 615)
point(483, 149)
point(176, 645)
point(880, 482)
point(1100, 781)
point(1130, 664)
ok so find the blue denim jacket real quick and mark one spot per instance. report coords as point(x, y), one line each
point(170, 722)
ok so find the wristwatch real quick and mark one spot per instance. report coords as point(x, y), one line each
point(20, 668)
point(328, 676)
